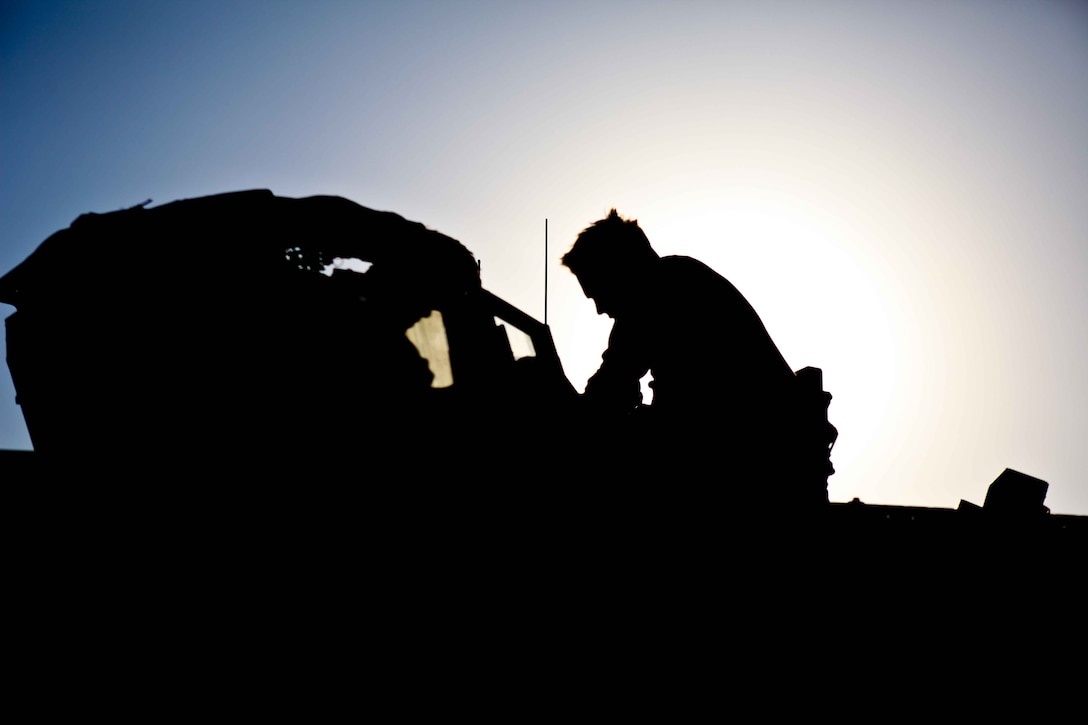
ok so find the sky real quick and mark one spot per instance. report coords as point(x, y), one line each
point(897, 187)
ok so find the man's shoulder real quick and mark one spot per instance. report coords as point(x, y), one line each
point(682, 267)
point(680, 261)
point(688, 279)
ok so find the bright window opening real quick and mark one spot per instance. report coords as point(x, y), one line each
point(429, 337)
point(520, 342)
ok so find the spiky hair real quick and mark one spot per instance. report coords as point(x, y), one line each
point(611, 243)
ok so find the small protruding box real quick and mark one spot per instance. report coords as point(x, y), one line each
point(1015, 493)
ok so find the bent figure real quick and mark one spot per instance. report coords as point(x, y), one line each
point(724, 397)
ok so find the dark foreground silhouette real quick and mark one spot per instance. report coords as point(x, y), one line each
point(234, 438)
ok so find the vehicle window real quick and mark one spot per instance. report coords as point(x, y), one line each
point(520, 342)
point(429, 337)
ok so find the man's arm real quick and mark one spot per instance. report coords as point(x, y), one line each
point(616, 386)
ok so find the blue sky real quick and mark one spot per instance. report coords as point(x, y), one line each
point(897, 186)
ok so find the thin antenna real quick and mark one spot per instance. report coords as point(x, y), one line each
point(545, 270)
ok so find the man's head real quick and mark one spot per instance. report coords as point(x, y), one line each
point(610, 258)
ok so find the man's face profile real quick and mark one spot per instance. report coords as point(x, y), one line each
point(604, 294)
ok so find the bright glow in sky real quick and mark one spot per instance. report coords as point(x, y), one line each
point(898, 188)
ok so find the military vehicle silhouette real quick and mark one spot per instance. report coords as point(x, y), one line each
point(268, 341)
point(250, 330)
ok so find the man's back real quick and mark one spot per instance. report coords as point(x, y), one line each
point(705, 345)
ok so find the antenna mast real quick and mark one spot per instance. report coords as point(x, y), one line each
point(545, 270)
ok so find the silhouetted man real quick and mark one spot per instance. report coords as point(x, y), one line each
point(722, 392)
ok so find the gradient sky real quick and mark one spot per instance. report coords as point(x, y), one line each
point(898, 187)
